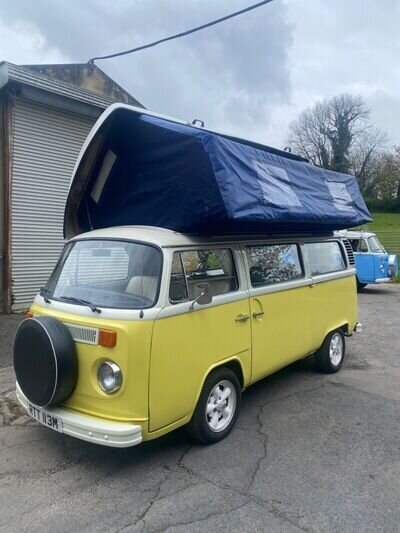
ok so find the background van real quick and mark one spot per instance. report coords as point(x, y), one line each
point(373, 263)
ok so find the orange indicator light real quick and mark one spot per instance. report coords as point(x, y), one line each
point(107, 338)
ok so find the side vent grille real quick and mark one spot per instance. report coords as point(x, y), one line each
point(84, 334)
point(349, 251)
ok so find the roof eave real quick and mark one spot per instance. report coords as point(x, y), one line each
point(23, 76)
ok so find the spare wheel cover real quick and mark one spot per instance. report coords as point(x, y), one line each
point(45, 360)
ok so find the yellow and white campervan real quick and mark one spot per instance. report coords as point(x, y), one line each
point(143, 329)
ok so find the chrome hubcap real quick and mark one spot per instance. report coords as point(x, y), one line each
point(336, 349)
point(221, 405)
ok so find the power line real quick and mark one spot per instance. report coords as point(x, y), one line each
point(183, 33)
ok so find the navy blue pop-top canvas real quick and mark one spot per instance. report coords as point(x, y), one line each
point(167, 174)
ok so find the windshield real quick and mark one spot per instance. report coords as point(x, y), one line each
point(375, 245)
point(106, 273)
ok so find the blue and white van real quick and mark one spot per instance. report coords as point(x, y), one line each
point(373, 263)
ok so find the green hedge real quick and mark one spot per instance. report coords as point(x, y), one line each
point(383, 206)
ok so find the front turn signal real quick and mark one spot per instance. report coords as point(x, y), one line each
point(107, 338)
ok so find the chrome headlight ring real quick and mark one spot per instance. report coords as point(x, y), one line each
point(109, 377)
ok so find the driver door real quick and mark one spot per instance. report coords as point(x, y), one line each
point(190, 339)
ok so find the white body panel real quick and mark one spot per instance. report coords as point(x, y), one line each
point(91, 429)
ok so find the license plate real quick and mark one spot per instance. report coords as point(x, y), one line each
point(45, 418)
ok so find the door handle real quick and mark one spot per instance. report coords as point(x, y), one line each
point(242, 318)
point(258, 314)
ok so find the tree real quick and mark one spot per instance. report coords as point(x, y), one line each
point(366, 157)
point(386, 184)
point(337, 134)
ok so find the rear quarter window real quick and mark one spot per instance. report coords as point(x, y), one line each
point(324, 257)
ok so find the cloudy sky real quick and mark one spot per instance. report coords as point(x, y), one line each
point(249, 76)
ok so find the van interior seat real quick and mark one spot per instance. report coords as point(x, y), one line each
point(145, 286)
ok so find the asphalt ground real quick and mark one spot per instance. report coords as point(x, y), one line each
point(8, 326)
point(310, 452)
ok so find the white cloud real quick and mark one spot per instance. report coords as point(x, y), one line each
point(250, 76)
point(22, 43)
point(350, 47)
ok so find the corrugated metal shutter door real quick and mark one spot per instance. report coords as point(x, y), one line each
point(46, 143)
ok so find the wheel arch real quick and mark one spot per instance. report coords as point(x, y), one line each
point(344, 327)
point(233, 364)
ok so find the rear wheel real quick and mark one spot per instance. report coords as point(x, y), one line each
point(329, 358)
point(218, 407)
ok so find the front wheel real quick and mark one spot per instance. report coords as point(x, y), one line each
point(218, 407)
point(360, 285)
point(329, 358)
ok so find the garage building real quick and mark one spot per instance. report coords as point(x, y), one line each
point(46, 112)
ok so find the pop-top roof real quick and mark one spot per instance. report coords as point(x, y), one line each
point(137, 168)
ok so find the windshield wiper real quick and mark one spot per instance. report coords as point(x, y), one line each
point(43, 293)
point(82, 302)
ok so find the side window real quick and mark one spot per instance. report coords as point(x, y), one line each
point(273, 263)
point(324, 257)
point(178, 286)
point(363, 246)
point(194, 267)
point(355, 244)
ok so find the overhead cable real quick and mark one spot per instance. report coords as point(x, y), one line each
point(183, 33)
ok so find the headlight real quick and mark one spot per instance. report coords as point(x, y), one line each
point(109, 376)
point(393, 268)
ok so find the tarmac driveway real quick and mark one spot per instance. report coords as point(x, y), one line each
point(309, 453)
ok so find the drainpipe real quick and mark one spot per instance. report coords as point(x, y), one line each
point(7, 100)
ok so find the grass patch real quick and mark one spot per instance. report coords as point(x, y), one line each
point(384, 222)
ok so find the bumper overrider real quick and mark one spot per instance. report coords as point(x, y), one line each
point(86, 427)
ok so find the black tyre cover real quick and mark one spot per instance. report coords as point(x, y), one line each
point(45, 360)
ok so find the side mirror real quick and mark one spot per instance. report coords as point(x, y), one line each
point(204, 297)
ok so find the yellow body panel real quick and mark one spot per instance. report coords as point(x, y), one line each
point(333, 304)
point(185, 347)
point(296, 322)
point(131, 353)
point(282, 334)
point(164, 362)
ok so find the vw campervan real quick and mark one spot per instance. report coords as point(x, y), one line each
point(373, 263)
point(169, 329)
point(148, 322)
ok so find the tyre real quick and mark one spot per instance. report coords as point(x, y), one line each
point(360, 286)
point(329, 358)
point(45, 361)
point(218, 407)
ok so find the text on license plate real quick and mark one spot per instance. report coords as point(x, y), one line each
point(45, 418)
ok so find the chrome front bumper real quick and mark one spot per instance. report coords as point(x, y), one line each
point(383, 280)
point(90, 428)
